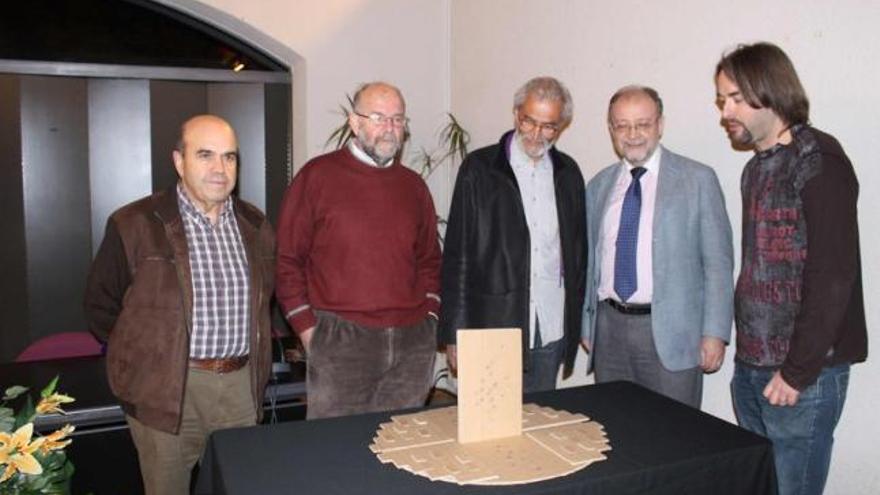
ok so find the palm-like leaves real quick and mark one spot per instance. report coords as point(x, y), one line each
point(342, 134)
point(452, 142)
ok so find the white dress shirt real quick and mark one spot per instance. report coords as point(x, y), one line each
point(546, 290)
point(611, 223)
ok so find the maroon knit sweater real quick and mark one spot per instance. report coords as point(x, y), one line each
point(359, 241)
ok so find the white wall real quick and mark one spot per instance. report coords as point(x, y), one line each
point(597, 46)
point(334, 45)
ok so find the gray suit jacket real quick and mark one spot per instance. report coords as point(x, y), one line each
point(692, 258)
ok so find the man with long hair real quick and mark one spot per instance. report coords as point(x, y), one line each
point(800, 316)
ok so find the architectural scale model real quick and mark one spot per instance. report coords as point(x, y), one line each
point(478, 442)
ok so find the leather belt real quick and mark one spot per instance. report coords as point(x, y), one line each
point(219, 365)
point(629, 309)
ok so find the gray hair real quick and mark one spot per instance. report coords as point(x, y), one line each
point(635, 89)
point(546, 88)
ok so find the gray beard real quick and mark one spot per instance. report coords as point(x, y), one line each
point(380, 160)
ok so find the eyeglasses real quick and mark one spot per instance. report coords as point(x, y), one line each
point(640, 127)
point(528, 125)
point(377, 119)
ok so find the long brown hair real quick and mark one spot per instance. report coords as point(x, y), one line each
point(767, 79)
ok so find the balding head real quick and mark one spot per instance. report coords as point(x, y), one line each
point(377, 89)
point(206, 160)
point(636, 91)
point(200, 121)
point(378, 121)
point(635, 120)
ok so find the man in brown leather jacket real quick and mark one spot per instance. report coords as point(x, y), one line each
point(180, 290)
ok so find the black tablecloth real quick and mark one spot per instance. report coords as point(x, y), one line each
point(658, 447)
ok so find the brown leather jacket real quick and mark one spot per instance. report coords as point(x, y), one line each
point(139, 300)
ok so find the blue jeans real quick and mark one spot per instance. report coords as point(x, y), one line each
point(802, 434)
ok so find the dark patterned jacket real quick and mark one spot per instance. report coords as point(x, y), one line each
point(799, 303)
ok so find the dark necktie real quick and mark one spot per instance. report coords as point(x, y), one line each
point(625, 279)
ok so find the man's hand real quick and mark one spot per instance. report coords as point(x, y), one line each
point(451, 358)
point(306, 338)
point(586, 344)
point(711, 354)
point(779, 393)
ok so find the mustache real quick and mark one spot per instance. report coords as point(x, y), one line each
point(726, 122)
point(540, 141)
point(388, 137)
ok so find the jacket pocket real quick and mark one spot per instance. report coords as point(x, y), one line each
point(155, 284)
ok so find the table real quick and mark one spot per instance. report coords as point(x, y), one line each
point(659, 447)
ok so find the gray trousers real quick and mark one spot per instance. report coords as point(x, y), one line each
point(624, 350)
point(211, 402)
point(353, 369)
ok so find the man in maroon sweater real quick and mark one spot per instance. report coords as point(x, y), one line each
point(359, 266)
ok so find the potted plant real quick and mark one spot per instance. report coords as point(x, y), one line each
point(29, 463)
point(452, 142)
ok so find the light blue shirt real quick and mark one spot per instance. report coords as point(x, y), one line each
point(546, 290)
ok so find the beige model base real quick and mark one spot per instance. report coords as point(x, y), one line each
point(552, 444)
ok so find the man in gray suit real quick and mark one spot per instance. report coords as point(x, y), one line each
point(659, 297)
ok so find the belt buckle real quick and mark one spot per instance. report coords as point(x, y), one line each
point(220, 366)
point(629, 309)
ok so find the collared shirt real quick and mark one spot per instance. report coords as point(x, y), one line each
point(546, 290)
point(220, 282)
point(362, 156)
point(611, 223)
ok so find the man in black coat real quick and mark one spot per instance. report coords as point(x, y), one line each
point(515, 247)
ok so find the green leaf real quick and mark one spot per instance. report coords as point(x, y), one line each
point(50, 462)
point(50, 388)
point(25, 414)
point(38, 483)
point(342, 134)
point(6, 424)
point(423, 163)
point(454, 139)
point(13, 392)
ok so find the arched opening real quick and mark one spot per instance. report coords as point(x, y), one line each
point(92, 93)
